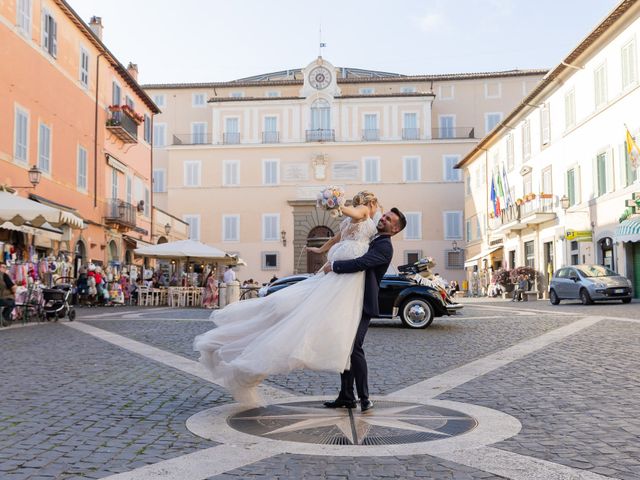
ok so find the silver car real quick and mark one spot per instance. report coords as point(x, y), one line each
point(589, 283)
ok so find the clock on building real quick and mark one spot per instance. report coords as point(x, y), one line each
point(319, 78)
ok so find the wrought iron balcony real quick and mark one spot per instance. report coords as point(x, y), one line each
point(231, 138)
point(321, 135)
point(123, 127)
point(370, 134)
point(270, 137)
point(509, 219)
point(538, 209)
point(191, 139)
point(120, 213)
point(453, 132)
point(410, 133)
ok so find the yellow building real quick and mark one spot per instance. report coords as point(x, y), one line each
point(242, 161)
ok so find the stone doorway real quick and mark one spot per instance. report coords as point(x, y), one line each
point(316, 238)
point(313, 227)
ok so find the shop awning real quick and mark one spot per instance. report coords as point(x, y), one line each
point(45, 230)
point(69, 215)
point(20, 210)
point(628, 231)
point(472, 262)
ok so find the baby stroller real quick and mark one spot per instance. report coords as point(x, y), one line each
point(56, 300)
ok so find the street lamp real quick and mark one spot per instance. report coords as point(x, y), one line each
point(34, 177)
point(454, 246)
point(564, 202)
point(283, 237)
point(167, 228)
point(121, 209)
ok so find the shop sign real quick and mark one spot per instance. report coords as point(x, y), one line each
point(579, 235)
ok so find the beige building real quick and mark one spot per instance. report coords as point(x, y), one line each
point(561, 160)
point(243, 161)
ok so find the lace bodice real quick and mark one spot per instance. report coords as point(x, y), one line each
point(354, 240)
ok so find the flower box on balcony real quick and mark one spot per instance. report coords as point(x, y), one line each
point(128, 111)
point(529, 196)
point(546, 195)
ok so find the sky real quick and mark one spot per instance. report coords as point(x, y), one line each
point(219, 40)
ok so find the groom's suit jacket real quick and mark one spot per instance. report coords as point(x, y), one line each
point(374, 263)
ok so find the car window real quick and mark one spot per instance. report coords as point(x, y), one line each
point(596, 271)
point(562, 273)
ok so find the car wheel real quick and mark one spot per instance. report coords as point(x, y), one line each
point(553, 298)
point(584, 296)
point(626, 300)
point(416, 313)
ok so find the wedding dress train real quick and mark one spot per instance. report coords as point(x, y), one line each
point(309, 325)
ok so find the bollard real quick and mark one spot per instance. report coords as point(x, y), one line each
point(222, 295)
point(233, 292)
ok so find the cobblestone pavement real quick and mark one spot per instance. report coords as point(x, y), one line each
point(75, 406)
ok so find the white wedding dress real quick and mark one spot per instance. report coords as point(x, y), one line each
point(310, 325)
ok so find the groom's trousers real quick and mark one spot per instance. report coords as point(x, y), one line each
point(358, 372)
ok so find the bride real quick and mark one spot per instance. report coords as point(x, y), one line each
point(293, 328)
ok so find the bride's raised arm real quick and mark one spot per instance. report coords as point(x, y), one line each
point(361, 212)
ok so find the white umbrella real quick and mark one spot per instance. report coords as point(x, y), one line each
point(189, 249)
point(19, 210)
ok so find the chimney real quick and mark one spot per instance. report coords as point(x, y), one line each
point(96, 25)
point(132, 68)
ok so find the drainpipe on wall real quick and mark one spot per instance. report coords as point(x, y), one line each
point(151, 182)
point(95, 135)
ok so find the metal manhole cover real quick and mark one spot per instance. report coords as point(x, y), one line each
point(388, 423)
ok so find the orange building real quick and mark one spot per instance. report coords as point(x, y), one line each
point(73, 110)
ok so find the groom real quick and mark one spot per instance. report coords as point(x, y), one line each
point(374, 263)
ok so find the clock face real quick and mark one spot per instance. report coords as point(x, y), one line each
point(320, 78)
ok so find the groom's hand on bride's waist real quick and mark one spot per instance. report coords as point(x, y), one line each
point(327, 267)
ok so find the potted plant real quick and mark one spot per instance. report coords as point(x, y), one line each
point(502, 277)
point(519, 201)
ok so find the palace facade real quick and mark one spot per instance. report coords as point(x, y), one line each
point(242, 161)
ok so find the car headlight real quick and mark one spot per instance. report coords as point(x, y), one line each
point(629, 282)
point(600, 285)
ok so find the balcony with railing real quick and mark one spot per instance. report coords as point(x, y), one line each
point(537, 208)
point(410, 133)
point(371, 134)
point(192, 139)
point(120, 213)
point(321, 135)
point(508, 220)
point(271, 137)
point(231, 138)
point(123, 125)
point(452, 133)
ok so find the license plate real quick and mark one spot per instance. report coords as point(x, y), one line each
point(619, 290)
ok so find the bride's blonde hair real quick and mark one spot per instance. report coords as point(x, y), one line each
point(365, 197)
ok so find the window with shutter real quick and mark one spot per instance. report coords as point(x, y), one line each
point(453, 225)
point(270, 172)
point(230, 228)
point(545, 126)
point(159, 182)
point(231, 172)
point(451, 174)
point(600, 85)
point(194, 226)
point(192, 173)
point(510, 152)
point(21, 146)
point(44, 148)
point(84, 67)
point(81, 181)
point(271, 227)
point(629, 65)
point(411, 170)
point(413, 230)
point(570, 109)
point(371, 170)
point(24, 16)
point(159, 132)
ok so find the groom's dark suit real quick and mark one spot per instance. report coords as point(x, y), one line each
point(374, 263)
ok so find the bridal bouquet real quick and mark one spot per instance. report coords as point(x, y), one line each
point(331, 198)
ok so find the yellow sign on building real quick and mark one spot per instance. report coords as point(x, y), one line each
point(579, 235)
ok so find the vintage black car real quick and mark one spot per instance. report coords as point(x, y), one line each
point(400, 295)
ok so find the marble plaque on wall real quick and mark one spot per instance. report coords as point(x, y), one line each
point(292, 172)
point(345, 170)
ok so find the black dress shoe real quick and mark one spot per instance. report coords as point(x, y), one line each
point(366, 405)
point(340, 403)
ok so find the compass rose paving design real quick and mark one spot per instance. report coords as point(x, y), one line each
point(388, 423)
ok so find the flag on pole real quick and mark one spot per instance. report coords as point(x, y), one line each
point(505, 184)
point(633, 151)
point(501, 195)
point(493, 196)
